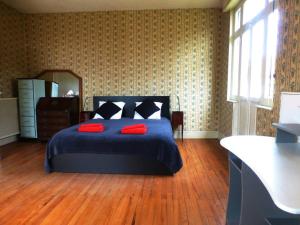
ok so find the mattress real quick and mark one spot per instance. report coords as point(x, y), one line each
point(158, 143)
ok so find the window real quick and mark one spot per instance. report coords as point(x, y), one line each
point(252, 55)
point(236, 62)
point(256, 59)
point(237, 18)
point(245, 64)
point(251, 9)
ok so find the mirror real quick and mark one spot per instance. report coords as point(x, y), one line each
point(62, 83)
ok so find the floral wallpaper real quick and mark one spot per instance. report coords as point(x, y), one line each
point(12, 50)
point(225, 113)
point(148, 52)
point(162, 52)
point(287, 65)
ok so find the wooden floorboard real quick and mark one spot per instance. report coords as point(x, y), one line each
point(196, 195)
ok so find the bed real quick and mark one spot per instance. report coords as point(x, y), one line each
point(112, 152)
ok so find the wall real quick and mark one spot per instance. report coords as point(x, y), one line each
point(151, 52)
point(287, 65)
point(146, 52)
point(12, 50)
point(225, 119)
point(9, 125)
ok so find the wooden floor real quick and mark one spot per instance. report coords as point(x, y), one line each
point(196, 195)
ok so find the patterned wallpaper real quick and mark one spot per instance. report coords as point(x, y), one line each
point(151, 52)
point(168, 52)
point(287, 65)
point(225, 119)
point(12, 49)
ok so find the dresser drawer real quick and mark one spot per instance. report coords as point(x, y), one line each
point(44, 136)
point(26, 102)
point(52, 128)
point(27, 121)
point(27, 111)
point(28, 132)
point(46, 132)
point(53, 114)
point(177, 120)
point(25, 84)
point(53, 120)
point(25, 93)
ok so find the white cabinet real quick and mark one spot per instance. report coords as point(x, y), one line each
point(290, 107)
point(30, 90)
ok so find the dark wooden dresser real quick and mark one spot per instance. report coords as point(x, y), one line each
point(177, 120)
point(85, 116)
point(55, 114)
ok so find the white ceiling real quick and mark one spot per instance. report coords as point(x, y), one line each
point(55, 6)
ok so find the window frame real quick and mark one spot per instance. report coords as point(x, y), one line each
point(270, 7)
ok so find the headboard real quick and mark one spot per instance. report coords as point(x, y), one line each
point(129, 107)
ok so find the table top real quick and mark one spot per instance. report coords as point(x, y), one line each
point(277, 165)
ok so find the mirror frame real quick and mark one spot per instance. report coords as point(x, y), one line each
point(66, 71)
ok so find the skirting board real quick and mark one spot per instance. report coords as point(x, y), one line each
point(197, 134)
point(177, 134)
point(7, 140)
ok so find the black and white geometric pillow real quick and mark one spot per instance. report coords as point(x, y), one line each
point(147, 110)
point(109, 110)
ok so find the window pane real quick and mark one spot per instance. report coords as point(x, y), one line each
point(236, 62)
point(251, 9)
point(271, 54)
point(245, 64)
point(237, 21)
point(229, 71)
point(256, 59)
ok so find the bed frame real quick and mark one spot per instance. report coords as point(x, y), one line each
point(112, 163)
point(129, 107)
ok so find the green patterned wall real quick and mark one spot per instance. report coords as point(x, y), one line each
point(287, 65)
point(149, 52)
point(225, 119)
point(169, 52)
point(12, 49)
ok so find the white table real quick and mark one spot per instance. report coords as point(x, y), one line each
point(264, 180)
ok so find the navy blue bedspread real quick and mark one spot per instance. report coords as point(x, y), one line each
point(158, 143)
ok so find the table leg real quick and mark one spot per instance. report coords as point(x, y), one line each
point(182, 132)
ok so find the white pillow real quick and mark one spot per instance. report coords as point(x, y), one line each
point(116, 116)
point(154, 116)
